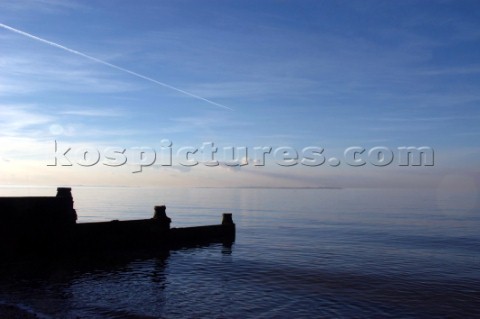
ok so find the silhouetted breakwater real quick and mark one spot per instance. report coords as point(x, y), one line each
point(47, 225)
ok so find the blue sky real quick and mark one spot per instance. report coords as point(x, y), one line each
point(294, 73)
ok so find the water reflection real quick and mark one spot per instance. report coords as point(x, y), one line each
point(103, 286)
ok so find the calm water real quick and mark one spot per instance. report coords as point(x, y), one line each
point(299, 254)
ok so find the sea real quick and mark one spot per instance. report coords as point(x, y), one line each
point(299, 253)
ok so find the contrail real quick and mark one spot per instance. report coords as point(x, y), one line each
point(31, 36)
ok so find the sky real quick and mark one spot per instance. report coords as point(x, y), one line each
point(161, 76)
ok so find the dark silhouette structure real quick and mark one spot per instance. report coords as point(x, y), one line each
point(47, 225)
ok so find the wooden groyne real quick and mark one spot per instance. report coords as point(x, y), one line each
point(47, 225)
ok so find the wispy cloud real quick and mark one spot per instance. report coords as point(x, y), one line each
point(430, 119)
point(17, 119)
point(94, 59)
point(449, 71)
point(88, 112)
point(32, 72)
point(43, 6)
point(260, 88)
point(23, 131)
